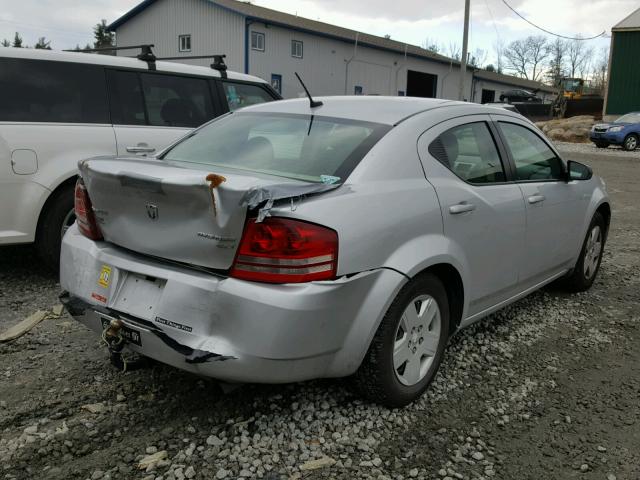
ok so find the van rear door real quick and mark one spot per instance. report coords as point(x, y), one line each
point(150, 110)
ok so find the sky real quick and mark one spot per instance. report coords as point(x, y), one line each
point(67, 22)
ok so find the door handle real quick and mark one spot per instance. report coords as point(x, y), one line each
point(140, 149)
point(536, 198)
point(461, 208)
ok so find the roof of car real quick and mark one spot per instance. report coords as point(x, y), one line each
point(378, 109)
point(120, 61)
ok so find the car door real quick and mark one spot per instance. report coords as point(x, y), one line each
point(482, 210)
point(553, 205)
point(149, 110)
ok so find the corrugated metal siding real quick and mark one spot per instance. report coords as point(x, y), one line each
point(624, 78)
point(213, 30)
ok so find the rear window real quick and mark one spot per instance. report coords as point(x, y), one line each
point(243, 94)
point(44, 91)
point(306, 147)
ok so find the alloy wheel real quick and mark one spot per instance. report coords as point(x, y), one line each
point(416, 340)
point(592, 252)
point(631, 143)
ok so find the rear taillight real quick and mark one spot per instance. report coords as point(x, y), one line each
point(281, 250)
point(85, 218)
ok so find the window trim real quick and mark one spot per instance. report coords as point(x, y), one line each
point(184, 36)
point(297, 42)
point(512, 162)
point(258, 35)
point(506, 167)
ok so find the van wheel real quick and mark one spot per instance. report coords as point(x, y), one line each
point(408, 347)
point(588, 264)
point(55, 220)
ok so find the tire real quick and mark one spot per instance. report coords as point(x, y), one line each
point(602, 144)
point(56, 217)
point(630, 142)
point(382, 377)
point(588, 264)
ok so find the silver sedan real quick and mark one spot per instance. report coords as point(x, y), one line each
point(289, 241)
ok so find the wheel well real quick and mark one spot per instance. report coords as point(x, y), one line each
point(69, 182)
point(452, 282)
point(605, 211)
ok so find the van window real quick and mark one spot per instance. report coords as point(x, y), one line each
point(125, 95)
point(45, 91)
point(242, 95)
point(174, 101)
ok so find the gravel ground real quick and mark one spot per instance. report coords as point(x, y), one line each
point(548, 388)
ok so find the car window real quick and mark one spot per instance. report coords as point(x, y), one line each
point(307, 147)
point(174, 101)
point(125, 98)
point(242, 94)
point(533, 158)
point(470, 152)
point(45, 91)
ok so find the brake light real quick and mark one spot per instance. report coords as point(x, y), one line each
point(85, 218)
point(282, 250)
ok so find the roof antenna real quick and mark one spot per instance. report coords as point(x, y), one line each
point(312, 103)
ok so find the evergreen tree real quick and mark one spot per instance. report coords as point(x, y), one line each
point(17, 41)
point(42, 44)
point(6, 43)
point(103, 38)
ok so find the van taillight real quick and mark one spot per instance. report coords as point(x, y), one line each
point(85, 218)
point(282, 250)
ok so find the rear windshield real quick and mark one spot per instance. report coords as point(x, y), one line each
point(305, 147)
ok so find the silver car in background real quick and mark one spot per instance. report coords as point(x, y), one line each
point(285, 242)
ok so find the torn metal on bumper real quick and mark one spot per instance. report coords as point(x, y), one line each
point(221, 327)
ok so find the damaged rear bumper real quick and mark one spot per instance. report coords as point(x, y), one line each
point(222, 327)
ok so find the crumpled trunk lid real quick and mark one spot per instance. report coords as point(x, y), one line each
point(155, 208)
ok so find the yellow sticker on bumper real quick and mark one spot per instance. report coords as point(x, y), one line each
point(105, 276)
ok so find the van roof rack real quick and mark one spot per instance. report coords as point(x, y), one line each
point(218, 61)
point(146, 54)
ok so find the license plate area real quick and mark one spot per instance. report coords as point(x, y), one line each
point(139, 295)
point(131, 335)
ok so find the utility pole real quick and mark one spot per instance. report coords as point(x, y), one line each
point(465, 46)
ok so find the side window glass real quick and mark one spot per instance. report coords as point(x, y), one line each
point(127, 107)
point(242, 94)
point(470, 152)
point(173, 101)
point(45, 91)
point(533, 158)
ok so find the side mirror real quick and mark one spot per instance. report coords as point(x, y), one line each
point(578, 171)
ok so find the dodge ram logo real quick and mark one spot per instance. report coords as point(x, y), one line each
point(152, 211)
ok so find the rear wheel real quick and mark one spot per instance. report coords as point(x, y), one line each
point(630, 142)
point(586, 269)
point(408, 347)
point(55, 220)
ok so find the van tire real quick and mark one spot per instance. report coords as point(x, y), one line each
point(52, 217)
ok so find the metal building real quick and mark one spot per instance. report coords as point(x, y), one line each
point(623, 89)
point(332, 60)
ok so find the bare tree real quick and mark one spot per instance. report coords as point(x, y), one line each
point(478, 58)
point(454, 50)
point(557, 60)
point(577, 55)
point(526, 56)
point(431, 44)
point(600, 70)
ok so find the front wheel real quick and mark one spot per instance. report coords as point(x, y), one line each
point(408, 347)
point(586, 269)
point(630, 142)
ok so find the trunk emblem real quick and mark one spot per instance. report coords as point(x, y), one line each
point(152, 211)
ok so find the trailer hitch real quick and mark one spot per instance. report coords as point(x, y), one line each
point(113, 339)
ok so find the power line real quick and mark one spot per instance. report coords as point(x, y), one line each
point(547, 31)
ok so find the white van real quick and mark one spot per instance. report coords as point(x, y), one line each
point(57, 108)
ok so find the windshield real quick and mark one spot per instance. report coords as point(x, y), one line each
point(629, 118)
point(305, 147)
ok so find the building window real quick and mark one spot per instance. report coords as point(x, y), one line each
point(357, 90)
point(184, 43)
point(257, 41)
point(276, 82)
point(296, 48)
